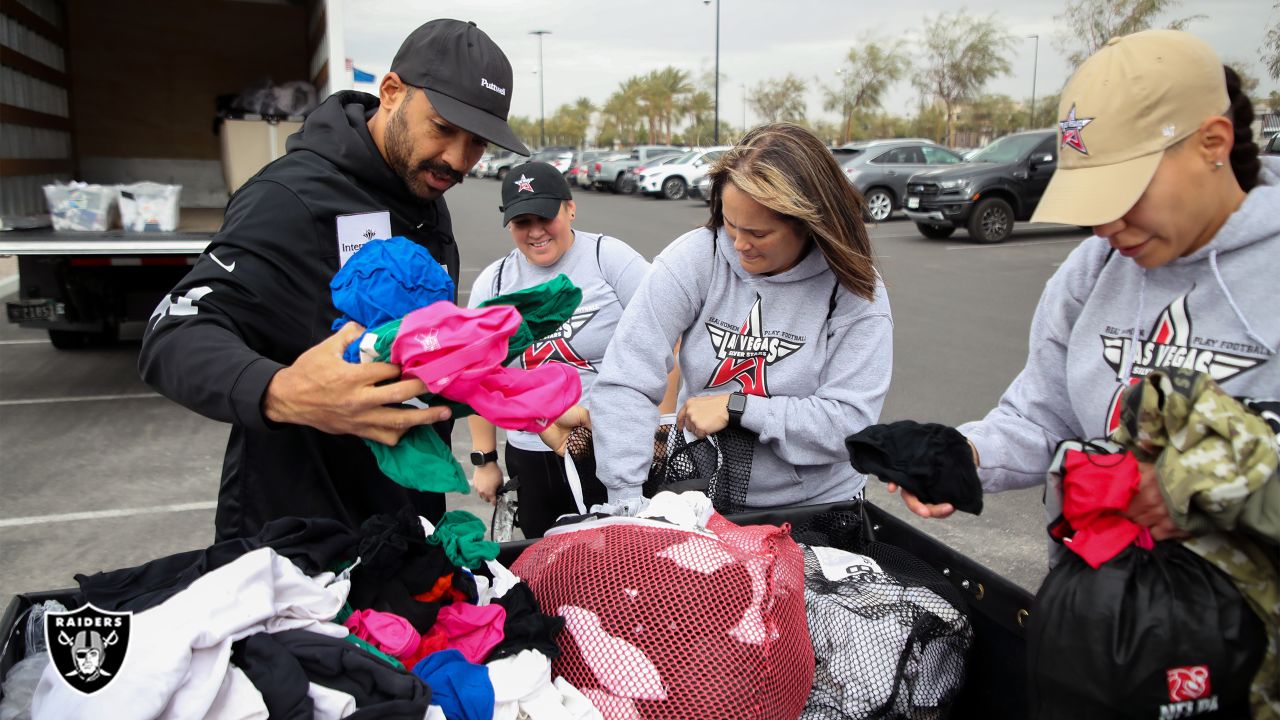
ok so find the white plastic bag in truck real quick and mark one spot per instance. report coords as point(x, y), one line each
point(149, 207)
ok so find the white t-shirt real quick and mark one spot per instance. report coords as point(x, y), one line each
point(606, 269)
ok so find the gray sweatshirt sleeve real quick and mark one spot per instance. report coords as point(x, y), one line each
point(1016, 440)
point(624, 400)
point(853, 382)
point(623, 268)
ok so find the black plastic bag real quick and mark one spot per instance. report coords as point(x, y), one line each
point(1155, 634)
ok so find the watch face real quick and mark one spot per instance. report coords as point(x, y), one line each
point(737, 403)
point(477, 458)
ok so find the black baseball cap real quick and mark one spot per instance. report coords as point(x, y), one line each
point(534, 187)
point(466, 77)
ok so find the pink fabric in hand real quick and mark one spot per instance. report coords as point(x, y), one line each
point(473, 630)
point(442, 342)
point(1096, 490)
point(458, 353)
point(528, 400)
point(389, 633)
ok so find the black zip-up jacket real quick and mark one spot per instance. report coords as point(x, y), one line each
point(259, 297)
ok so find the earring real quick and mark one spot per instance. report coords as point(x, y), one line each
point(1217, 165)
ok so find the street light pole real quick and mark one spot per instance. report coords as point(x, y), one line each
point(716, 128)
point(542, 108)
point(744, 108)
point(1035, 63)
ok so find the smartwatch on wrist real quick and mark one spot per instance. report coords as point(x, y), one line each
point(480, 459)
point(737, 405)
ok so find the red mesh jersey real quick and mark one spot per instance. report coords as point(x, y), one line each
point(663, 623)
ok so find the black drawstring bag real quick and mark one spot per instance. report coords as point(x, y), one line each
point(1151, 634)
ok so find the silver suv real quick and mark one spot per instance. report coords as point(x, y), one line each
point(880, 168)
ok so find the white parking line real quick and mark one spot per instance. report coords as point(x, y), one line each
point(82, 398)
point(101, 514)
point(1010, 245)
point(42, 341)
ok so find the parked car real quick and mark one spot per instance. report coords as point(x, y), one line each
point(593, 171)
point(481, 165)
point(582, 161)
point(673, 180)
point(631, 178)
point(880, 169)
point(558, 156)
point(702, 189)
point(500, 163)
point(609, 175)
point(1272, 146)
point(1002, 184)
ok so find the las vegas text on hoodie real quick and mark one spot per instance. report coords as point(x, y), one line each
point(1104, 322)
point(811, 380)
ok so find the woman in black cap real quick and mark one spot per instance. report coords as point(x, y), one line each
point(538, 210)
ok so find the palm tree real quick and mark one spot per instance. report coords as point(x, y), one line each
point(653, 99)
point(673, 85)
point(698, 106)
point(622, 109)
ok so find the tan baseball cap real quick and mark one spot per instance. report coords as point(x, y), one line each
point(1127, 104)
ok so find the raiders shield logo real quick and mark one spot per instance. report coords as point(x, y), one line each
point(88, 646)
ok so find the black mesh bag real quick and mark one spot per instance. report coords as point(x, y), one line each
point(890, 636)
point(718, 465)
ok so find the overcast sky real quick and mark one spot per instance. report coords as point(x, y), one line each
point(595, 44)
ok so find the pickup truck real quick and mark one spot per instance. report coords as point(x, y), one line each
point(999, 185)
point(996, 686)
point(610, 174)
point(83, 286)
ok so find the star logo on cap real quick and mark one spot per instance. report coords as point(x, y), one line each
point(524, 184)
point(1071, 128)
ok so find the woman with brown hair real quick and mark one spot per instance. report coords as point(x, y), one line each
point(783, 324)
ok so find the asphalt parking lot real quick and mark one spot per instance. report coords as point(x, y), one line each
point(99, 472)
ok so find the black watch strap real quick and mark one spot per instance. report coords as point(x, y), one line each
point(483, 458)
point(737, 405)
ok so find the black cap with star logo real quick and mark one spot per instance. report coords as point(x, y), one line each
point(535, 188)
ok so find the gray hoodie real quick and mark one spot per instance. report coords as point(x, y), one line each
point(814, 373)
point(1104, 322)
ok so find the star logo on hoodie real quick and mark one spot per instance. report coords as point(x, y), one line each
point(524, 184)
point(1168, 345)
point(745, 355)
point(556, 347)
point(1071, 128)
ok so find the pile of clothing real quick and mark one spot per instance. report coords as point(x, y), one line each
point(401, 619)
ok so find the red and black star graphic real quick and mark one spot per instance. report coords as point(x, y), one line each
point(556, 347)
point(1167, 345)
point(744, 355)
point(1071, 128)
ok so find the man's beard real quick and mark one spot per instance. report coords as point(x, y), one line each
point(400, 158)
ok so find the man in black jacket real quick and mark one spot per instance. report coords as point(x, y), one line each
point(245, 337)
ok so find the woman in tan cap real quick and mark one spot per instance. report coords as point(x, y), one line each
point(1157, 156)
